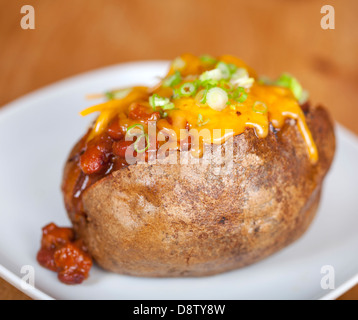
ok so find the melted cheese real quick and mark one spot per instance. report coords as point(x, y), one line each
point(111, 108)
point(238, 116)
point(233, 120)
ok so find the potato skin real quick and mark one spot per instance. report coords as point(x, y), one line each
point(168, 220)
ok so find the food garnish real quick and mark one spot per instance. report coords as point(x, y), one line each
point(217, 87)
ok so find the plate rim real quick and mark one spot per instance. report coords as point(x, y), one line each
point(16, 281)
point(17, 103)
point(21, 102)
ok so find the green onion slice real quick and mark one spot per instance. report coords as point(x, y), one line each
point(169, 106)
point(232, 68)
point(157, 101)
point(172, 80)
point(187, 89)
point(109, 95)
point(240, 95)
point(118, 94)
point(209, 83)
point(206, 58)
point(204, 94)
point(199, 96)
point(201, 121)
point(176, 93)
point(240, 73)
point(178, 63)
point(304, 97)
point(214, 74)
point(225, 84)
point(225, 70)
point(216, 98)
point(241, 78)
point(288, 81)
point(135, 145)
point(260, 107)
point(131, 129)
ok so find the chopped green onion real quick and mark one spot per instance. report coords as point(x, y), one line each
point(172, 80)
point(289, 82)
point(216, 98)
point(121, 94)
point(118, 94)
point(204, 94)
point(109, 95)
point(176, 94)
point(139, 137)
point(240, 73)
point(225, 84)
point(241, 78)
point(196, 83)
point(135, 145)
point(163, 113)
point(199, 96)
point(259, 107)
point(232, 68)
point(201, 121)
point(136, 125)
point(157, 101)
point(304, 97)
point(244, 82)
point(178, 63)
point(132, 127)
point(240, 95)
point(169, 106)
point(214, 74)
point(209, 83)
point(208, 59)
point(224, 68)
point(187, 89)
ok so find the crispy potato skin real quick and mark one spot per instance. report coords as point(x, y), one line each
point(184, 220)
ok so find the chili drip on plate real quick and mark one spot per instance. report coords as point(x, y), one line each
point(63, 253)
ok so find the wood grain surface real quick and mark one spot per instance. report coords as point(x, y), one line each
point(273, 36)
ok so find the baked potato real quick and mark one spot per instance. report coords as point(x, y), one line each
point(173, 219)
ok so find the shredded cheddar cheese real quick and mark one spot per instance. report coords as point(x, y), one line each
point(274, 104)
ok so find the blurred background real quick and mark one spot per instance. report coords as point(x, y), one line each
point(273, 36)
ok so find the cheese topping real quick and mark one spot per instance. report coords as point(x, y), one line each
point(221, 93)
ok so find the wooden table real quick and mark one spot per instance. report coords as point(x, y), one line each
point(273, 36)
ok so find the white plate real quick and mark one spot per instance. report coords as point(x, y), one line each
point(36, 134)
